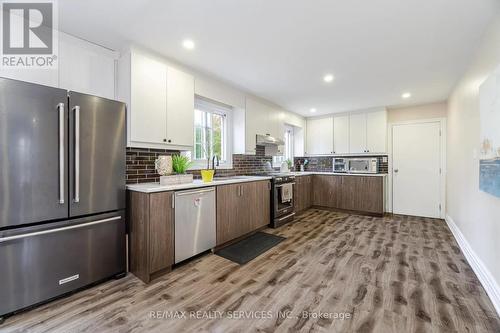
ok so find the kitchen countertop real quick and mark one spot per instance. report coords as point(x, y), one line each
point(306, 173)
point(197, 183)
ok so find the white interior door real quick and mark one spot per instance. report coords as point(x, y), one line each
point(416, 169)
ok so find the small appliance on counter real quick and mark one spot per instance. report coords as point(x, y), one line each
point(362, 165)
point(339, 165)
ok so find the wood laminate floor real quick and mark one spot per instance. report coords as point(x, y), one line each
point(392, 274)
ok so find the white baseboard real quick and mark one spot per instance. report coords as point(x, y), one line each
point(482, 272)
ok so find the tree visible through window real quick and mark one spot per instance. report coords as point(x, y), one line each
point(210, 134)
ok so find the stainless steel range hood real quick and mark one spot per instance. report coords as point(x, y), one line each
point(267, 140)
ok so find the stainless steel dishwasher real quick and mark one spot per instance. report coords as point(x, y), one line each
point(195, 229)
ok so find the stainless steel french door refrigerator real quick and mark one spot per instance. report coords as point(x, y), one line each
point(62, 192)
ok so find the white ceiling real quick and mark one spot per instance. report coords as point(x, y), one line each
point(280, 49)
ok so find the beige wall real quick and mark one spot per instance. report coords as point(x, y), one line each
point(477, 214)
point(425, 111)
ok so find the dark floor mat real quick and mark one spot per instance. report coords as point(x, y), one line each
point(250, 247)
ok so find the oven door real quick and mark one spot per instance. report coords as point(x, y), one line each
point(282, 207)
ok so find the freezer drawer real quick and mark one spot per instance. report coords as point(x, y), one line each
point(37, 264)
point(195, 227)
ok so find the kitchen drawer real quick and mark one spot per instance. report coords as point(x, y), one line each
point(40, 263)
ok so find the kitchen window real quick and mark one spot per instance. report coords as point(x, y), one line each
point(212, 135)
point(288, 148)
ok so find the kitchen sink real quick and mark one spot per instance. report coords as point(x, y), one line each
point(229, 177)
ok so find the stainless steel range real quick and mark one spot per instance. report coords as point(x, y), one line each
point(282, 201)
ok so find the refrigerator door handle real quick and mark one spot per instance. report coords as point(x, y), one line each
point(51, 231)
point(76, 109)
point(60, 108)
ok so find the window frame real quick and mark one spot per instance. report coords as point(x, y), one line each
point(213, 107)
point(288, 153)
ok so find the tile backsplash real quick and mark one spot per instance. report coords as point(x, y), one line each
point(141, 164)
point(325, 163)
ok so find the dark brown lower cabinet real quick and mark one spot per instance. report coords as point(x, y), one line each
point(327, 191)
point(302, 193)
point(151, 233)
point(364, 194)
point(241, 209)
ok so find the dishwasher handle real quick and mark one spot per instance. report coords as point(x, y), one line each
point(184, 193)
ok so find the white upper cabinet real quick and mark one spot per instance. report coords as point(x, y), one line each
point(341, 134)
point(319, 136)
point(261, 119)
point(148, 100)
point(256, 122)
point(368, 132)
point(276, 123)
point(47, 77)
point(160, 102)
point(83, 67)
point(354, 133)
point(376, 132)
point(180, 108)
point(357, 133)
point(86, 68)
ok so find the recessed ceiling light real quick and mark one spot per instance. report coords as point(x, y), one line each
point(406, 95)
point(328, 78)
point(188, 44)
point(312, 110)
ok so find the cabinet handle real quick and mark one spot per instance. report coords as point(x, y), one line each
point(164, 140)
point(169, 140)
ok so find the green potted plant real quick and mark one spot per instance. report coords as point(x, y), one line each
point(180, 164)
